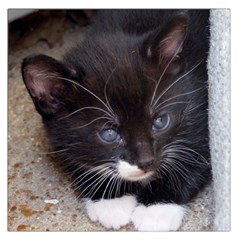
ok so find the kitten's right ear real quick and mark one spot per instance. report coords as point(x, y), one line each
point(165, 45)
point(46, 80)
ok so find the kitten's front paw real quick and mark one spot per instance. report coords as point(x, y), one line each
point(158, 217)
point(112, 213)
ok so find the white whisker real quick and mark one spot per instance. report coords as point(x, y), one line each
point(53, 152)
point(175, 82)
point(105, 89)
point(84, 108)
point(104, 125)
point(112, 186)
point(165, 69)
point(170, 174)
point(89, 123)
point(80, 178)
point(92, 183)
point(192, 109)
point(152, 79)
point(170, 104)
point(110, 180)
point(111, 113)
point(99, 183)
point(176, 96)
point(184, 155)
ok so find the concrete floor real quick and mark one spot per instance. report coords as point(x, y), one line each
point(34, 177)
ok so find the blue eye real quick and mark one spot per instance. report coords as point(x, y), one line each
point(161, 122)
point(109, 135)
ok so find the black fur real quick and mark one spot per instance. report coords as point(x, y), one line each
point(129, 50)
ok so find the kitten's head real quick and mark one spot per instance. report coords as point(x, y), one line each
point(125, 106)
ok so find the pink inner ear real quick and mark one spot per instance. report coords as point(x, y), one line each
point(171, 45)
point(37, 83)
point(167, 43)
point(43, 77)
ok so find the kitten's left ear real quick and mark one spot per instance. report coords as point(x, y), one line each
point(46, 81)
point(165, 45)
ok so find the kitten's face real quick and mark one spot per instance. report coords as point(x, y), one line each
point(120, 109)
point(122, 126)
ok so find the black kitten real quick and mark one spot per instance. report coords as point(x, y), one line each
point(126, 112)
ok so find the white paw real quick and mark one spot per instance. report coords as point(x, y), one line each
point(158, 217)
point(112, 213)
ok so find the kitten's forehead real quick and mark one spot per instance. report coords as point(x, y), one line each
point(123, 78)
point(130, 90)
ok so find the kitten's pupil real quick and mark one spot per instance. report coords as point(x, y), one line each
point(109, 135)
point(161, 122)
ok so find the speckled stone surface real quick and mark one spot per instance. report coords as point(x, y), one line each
point(34, 178)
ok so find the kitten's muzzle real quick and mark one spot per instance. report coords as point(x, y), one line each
point(145, 163)
point(144, 156)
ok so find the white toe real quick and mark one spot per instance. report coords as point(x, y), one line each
point(158, 217)
point(112, 213)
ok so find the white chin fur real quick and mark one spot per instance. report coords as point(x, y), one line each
point(158, 217)
point(112, 213)
point(131, 172)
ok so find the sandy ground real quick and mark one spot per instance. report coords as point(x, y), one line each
point(34, 178)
